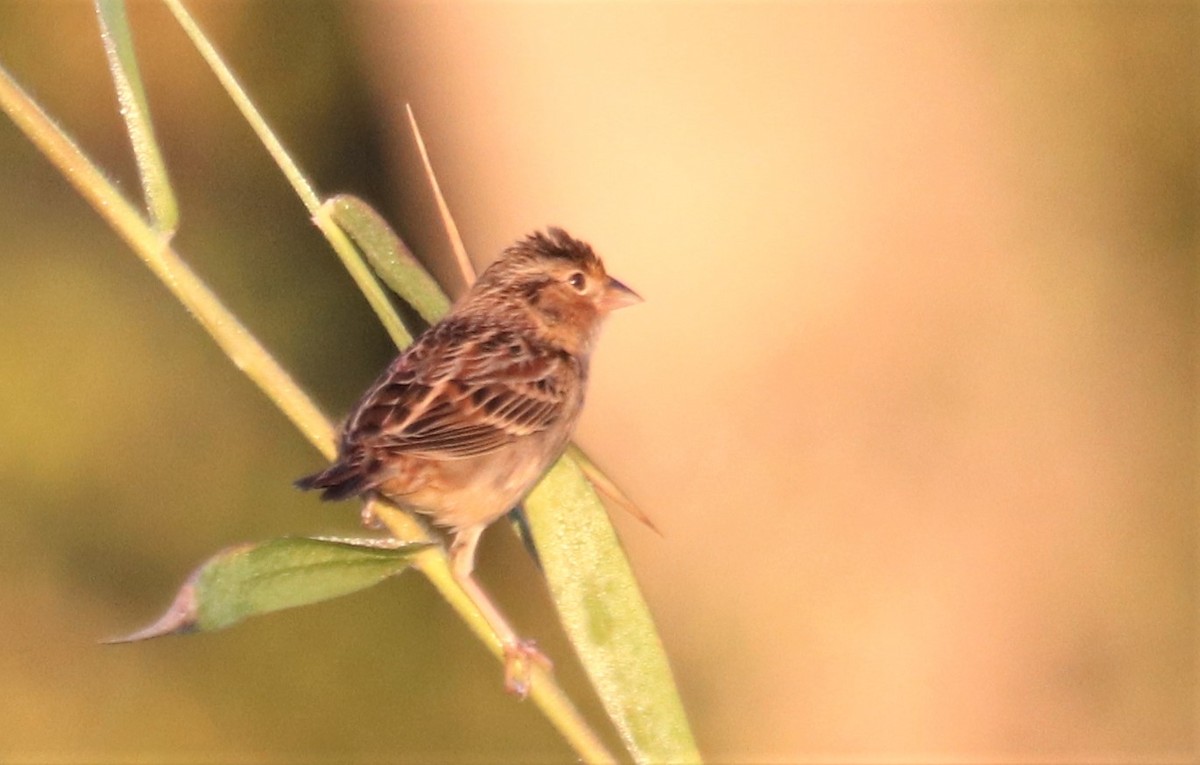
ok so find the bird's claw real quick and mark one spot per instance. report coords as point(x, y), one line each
point(369, 518)
point(519, 660)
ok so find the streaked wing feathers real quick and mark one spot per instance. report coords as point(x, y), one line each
point(460, 393)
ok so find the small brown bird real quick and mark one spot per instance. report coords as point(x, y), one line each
point(466, 420)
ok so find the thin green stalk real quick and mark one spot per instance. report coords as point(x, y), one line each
point(154, 250)
point(252, 358)
point(122, 61)
point(544, 690)
point(359, 271)
point(304, 187)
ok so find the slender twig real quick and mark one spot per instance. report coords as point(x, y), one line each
point(241, 347)
point(359, 271)
point(122, 62)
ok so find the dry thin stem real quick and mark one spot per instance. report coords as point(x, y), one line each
point(465, 269)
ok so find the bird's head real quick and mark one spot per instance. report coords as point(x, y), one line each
point(562, 284)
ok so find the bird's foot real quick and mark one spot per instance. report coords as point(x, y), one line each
point(370, 519)
point(520, 658)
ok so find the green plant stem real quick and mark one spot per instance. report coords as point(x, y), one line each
point(544, 691)
point(122, 62)
point(252, 358)
point(242, 348)
point(358, 270)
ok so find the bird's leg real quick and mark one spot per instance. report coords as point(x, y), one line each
point(369, 518)
point(519, 655)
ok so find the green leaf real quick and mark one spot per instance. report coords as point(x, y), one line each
point(606, 618)
point(122, 61)
point(252, 579)
point(389, 256)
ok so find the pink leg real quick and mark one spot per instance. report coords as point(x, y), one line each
point(519, 655)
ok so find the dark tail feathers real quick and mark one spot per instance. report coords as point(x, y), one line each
point(340, 481)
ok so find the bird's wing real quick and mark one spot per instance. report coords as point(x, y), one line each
point(460, 394)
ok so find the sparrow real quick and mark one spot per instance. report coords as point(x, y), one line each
point(465, 421)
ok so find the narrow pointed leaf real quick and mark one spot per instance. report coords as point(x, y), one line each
point(393, 262)
point(606, 618)
point(252, 579)
point(118, 46)
point(608, 487)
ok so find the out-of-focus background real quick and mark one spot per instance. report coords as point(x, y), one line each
point(912, 395)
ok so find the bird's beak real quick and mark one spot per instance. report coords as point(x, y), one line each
point(617, 295)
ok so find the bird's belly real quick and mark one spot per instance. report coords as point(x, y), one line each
point(472, 491)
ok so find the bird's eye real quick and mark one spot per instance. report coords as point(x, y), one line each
point(577, 280)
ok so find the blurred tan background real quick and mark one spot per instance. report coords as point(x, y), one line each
point(912, 395)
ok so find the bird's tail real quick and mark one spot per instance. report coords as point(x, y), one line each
point(339, 481)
